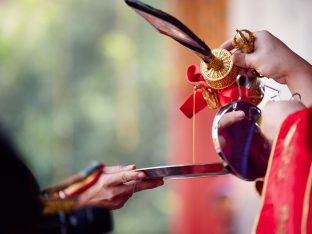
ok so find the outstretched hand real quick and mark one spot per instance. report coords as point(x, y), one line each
point(115, 186)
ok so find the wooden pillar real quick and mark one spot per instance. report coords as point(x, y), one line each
point(193, 203)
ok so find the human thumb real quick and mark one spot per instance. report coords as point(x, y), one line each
point(242, 60)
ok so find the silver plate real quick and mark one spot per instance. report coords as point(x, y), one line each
point(184, 171)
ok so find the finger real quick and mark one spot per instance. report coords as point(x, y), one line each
point(241, 60)
point(230, 118)
point(114, 169)
point(124, 177)
point(148, 184)
point(228, 45)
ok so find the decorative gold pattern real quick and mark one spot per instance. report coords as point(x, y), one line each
point(215, 64)
point(53, 206)
point(287, 152)
point(223, 77)
point(244, 40)
point(265, 184)
point(283, 218)
point(257, 93)
point(211, 98)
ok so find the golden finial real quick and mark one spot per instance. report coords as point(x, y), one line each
point(210, 96)
point(244, 40)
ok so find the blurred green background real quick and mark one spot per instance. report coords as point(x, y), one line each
point(84, 80)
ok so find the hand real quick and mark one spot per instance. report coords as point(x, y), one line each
point(231, 118)
point(115, 187)
point(273, 59)
point(227, 120)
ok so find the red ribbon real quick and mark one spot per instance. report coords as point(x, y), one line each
point(232, 94)
point(195, 78)
point(225, 96)
point(187, 107)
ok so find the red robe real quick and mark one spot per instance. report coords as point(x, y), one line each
point(287, 201)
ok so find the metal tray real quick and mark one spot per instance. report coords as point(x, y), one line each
point(184, 171)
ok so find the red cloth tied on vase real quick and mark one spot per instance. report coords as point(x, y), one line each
point(223, 96)
point(233, 93)
point(195, 78)
point(287, 201)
